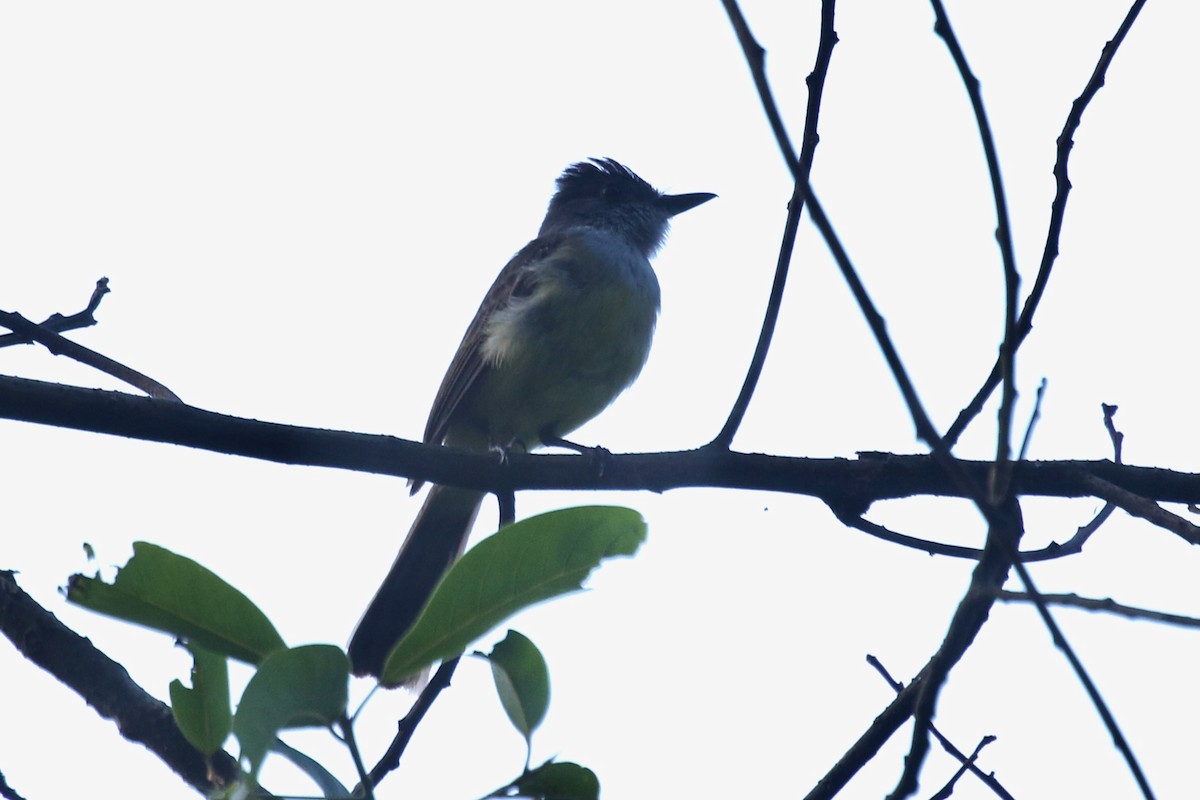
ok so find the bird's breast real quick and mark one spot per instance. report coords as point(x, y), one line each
point(561, 353)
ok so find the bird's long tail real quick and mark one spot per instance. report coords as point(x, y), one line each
point(436, 539)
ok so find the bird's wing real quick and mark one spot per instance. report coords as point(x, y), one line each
point(514, 281)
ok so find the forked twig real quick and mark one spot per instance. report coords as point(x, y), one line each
point(58, 323)
point(46, 334)
point(1058, 210)
point(967, 762)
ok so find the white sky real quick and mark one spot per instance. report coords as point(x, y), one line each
point(299, 206)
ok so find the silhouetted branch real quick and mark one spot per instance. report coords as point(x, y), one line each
point(104, 684)
point(1058, 210)
point(1050, 552)
point(755, 57)
point(1105, 604)
point(57, 323)
point(24, 331)
point(1009, 343)
point(7, 792)
point(848, 484)
point(1005, 528)
point(407, 726)
point(1145, 508)
point(967, 762)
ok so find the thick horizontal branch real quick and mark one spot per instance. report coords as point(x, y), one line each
point(847, 484)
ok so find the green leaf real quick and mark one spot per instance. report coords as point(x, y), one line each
point(522, 681)
point(202, 712)
point(523, 564)
point(559, 781)
point(325, 780)
point(299, 688)
point(172, 593)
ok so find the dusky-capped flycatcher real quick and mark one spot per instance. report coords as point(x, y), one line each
point(565, 328)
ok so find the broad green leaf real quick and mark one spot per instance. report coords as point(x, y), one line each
point(202, 712)
point(172, 593)
point(522, 681)
point(299, 688)
point(559, 781)
point(523, 564)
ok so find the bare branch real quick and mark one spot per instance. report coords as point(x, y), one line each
point(852, 485)
point(104, 684)
point(1009, 342)
point(1089, 686)
point(1147, 509)
point(391, 758)
point(969, 618)
point(849, 484)
point(7, 792)
point(1106, 604)
point(755, 56)
point(1058, 209)
point(968, 763)
point(57, 323)
point(1033, 419)
point(1050, 552)
point(47, 334)
point(1005, 528)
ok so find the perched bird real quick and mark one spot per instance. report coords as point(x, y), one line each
point(565, 328)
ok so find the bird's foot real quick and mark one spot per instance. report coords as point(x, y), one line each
point(599, 456)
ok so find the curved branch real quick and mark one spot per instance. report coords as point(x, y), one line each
point(800, 168)
point(851, 485)
point(1009, 343)
point(105, 685)
point(1058, 210)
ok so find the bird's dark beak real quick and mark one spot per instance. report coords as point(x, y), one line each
point(678, 203)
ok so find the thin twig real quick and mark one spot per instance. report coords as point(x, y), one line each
point(1142, 507)
point(1008, 347)
point(946, 791)
point(1005, 528)
point(969, 618)
point(47, 333)
point(1117, 438)
point(1105, 604)
point(1089, 686)
point(407, 726)
point(968, 763)
point(6, 791)
point(60, 346)
point(1066, 141)
point(1033, 419)
point(756, 57)
point(1050, 552)
point(58, 323)
point(346, 725)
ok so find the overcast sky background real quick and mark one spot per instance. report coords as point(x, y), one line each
point(300, 205)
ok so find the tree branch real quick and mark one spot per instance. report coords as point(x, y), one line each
point(1058, 210)
point(801, 168)
point(967, 762)
point(1106, 604)
point(851, 485)
point(105, 685)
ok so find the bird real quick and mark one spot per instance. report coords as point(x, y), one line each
point(565, 328)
